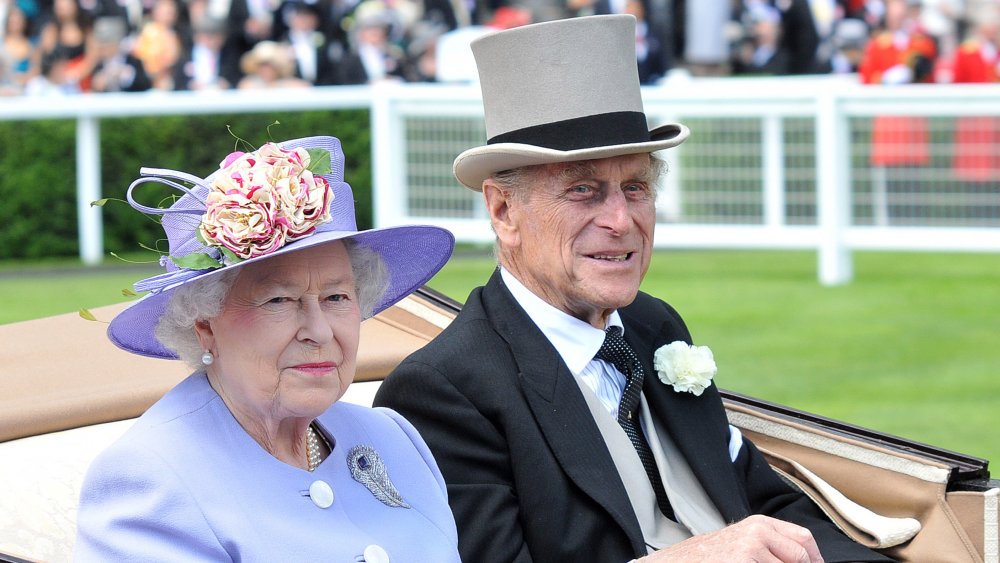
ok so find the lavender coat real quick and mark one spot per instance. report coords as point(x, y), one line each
point(187, 483)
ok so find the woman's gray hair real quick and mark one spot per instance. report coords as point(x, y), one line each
point(203, 300)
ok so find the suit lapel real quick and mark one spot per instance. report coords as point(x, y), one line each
point(560, 409)
point(688, 419)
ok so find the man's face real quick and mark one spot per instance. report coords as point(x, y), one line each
point(581, 235)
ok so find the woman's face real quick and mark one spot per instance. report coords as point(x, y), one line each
point(65, 9)
point(17, 23)
point(286, 341)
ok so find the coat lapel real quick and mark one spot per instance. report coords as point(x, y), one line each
point(560, 409)
point(689, 420)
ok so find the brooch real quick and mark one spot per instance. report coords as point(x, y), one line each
point(368, 469)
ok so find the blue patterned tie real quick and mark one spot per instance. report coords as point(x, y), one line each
point(619, 353)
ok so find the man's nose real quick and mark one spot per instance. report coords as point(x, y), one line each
point(614, 213)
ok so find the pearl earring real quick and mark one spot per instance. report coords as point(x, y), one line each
point(207, 358)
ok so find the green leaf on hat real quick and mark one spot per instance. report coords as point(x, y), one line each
point(319, 161)
point(100, 202)
point(230, 257)
point(196, 261)
point(128, 292)
point(87, 315)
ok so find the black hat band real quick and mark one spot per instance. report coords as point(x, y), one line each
point(601, 130)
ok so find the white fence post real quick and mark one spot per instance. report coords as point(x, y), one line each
point(389, 190)
point(833, 193)
point(88, 188)
point(772, 138)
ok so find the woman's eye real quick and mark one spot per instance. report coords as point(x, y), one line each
point(276, 300)
point(337, 298)
point(581, 189)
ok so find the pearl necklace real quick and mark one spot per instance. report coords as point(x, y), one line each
point(313, 451)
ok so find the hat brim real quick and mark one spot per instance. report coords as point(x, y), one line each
point(412, 255)
point(479, 163)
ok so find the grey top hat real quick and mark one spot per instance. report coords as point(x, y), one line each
point(560, 91)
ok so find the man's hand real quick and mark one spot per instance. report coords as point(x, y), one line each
point(758, 539)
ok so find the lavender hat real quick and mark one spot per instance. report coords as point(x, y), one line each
point(412, 254)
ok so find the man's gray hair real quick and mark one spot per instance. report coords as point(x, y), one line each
point(203, 299)
point(515, 180)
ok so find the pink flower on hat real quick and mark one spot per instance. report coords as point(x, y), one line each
point(243, 223)
point(259, 201)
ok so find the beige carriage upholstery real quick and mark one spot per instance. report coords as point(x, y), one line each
point(58, 410)
point(881, 495)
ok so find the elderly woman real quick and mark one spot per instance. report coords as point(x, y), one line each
point(252, 457)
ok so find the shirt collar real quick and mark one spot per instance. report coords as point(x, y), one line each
point(575, 341)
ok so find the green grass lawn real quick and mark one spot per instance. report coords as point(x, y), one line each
point(911, 347)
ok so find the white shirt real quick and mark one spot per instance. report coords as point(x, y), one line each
point(575, 341)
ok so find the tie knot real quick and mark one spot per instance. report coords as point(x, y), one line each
point(616, 350)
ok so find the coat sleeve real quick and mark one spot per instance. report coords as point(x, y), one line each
point(134, 508)
point(472, 455)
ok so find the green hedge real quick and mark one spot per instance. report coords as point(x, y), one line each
point(38, 171)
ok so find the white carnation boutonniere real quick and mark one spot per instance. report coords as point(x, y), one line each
point(688, 368)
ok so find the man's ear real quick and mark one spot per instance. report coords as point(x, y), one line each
point(502, 216)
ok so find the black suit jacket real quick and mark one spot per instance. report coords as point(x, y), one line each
point(529, 475)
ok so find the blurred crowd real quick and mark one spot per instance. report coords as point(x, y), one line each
point(69, 46)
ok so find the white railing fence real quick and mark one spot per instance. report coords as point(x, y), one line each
point(809, 163)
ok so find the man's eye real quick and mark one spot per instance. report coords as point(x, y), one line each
point(581, 189)
point(635, 190)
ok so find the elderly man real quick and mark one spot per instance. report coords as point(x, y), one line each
point(540, 402)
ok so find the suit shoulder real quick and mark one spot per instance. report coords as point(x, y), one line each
point(655, 317)
point(645, 305)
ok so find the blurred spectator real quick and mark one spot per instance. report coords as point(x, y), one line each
point(30, 8)
point(421, 51)
point(977, 138)
point(977, 60)
point(116, 69)
point(900, 52)
point(706, 47)
point(206, 65)
point(159, 43)
point(309, 46)
point(361, 41)
point(799, 39)
point(380, 59)
point(269, 65)
point(16, 49)
point(396, 16)
point(509, 17)
point(761, 51)
point(943, 20)
point(248, 22)
point(825, 15)
point(447, 14)
point(849, 39)
point(54, 78)
point(65, 45)
point(648, 47)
